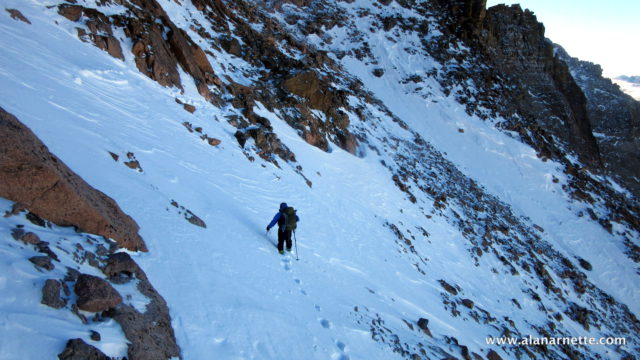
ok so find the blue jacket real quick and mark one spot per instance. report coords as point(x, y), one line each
point(277, 217)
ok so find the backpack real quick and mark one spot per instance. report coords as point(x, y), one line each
point(290, 218)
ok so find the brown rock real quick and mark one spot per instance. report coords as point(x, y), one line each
point(31, 175)
point(195, 220)
point(71, 12)
point(468, 303)
point(153, 57)
point(30, 238)
point(309, 86)
point(51, 294)
point(17, 15)
point(150, 333)
point(190, 108)
point(585, 264)
point(192, 59)
point(43, 262)
point(134, 164)
point(158, 58)
point(95, 294)
point(101, 33)
point(213, 141)
point(450, 289)
point(77, 349)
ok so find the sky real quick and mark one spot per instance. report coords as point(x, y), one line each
point(603, 32)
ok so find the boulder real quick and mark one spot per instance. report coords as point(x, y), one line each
point(77, 349)
point(51, 294)
point(95, 294)
point(41, 182)
point(468, 303)
point(43, 262)
point(30, 238)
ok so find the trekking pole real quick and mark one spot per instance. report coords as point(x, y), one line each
point(295, 241)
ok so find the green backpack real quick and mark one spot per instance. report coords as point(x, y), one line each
point(290, 218)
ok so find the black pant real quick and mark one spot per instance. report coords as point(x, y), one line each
point(284, 235)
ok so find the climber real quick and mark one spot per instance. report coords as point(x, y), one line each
point(287, 221)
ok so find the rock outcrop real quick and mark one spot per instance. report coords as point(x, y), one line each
point(99, 26)
point(615, 119)
point(146, 322)
point(39, 181)
point(159, 46)
point(545, 94)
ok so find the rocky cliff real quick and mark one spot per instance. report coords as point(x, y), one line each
point(46, 190)
point(38, 181)
point(555, 102)
point(614, 117)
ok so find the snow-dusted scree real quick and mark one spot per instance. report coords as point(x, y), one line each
point(438, 214)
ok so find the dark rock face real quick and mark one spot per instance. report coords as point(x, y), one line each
point(40, 182)
point(615, 119)
point(32, 176)
point(51, 294)
point(95, 294)
point(468, 15)
point(77, 349)
point(546, 94)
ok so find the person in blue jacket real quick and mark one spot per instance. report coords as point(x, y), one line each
point(287, 220)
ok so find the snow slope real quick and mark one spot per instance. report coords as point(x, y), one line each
point(231, 296)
